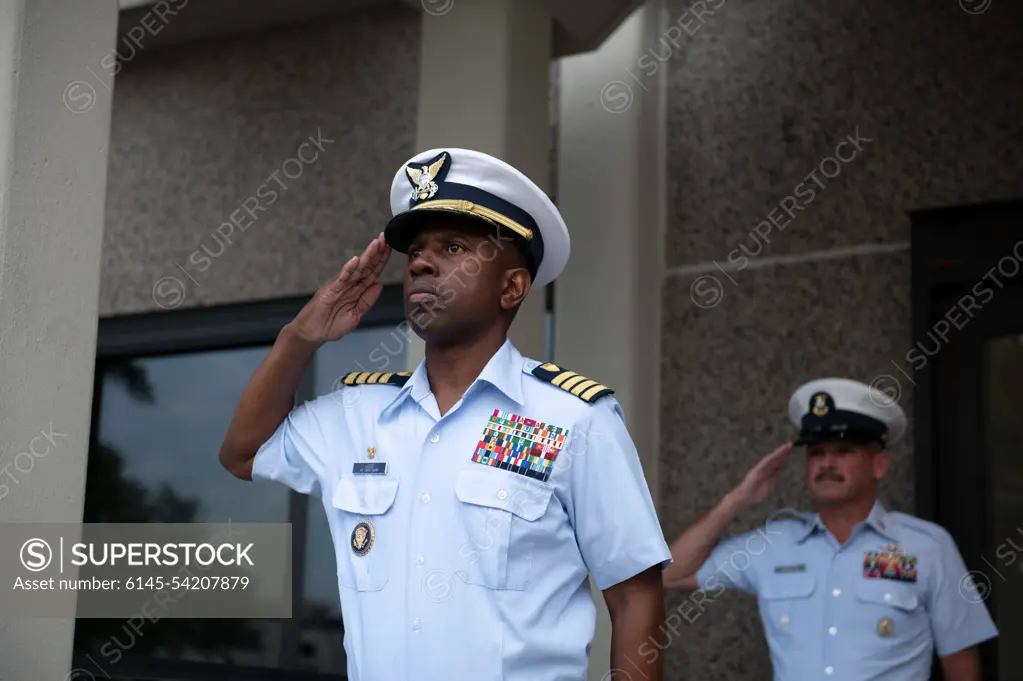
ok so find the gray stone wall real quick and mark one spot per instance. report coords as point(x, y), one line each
point(216, 192)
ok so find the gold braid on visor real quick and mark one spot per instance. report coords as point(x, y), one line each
point(470, 208)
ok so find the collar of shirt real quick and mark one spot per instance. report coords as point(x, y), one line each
point(503, 371)
point(875, 520)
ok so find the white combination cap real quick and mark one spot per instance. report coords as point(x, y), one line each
point(840, 409)
point(482, 186)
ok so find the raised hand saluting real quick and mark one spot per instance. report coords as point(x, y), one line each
point(760, 479)
point(340, 304)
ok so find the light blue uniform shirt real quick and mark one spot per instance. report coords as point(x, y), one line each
point(825, 618)
point(475, 572)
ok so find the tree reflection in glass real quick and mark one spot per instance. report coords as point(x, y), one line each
point(140, 441)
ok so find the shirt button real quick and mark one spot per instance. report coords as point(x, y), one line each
point(887, 598)
point(435, 438)
point(416, 624)
point(426, 498)
point(829, 670)
point(836, 593)
point(420, 560)
point(502, 495)
point(833, 630)
point(784, 620)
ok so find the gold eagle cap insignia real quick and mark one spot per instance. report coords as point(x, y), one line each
point(423, 179)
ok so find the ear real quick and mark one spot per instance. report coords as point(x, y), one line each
point(516, 287)
point(881, 462)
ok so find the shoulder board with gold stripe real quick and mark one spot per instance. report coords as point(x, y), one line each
point(584, 388)
point(398, 378)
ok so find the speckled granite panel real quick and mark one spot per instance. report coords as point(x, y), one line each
point(205, 131)
point(728, 372)
point(720, 639)
point(762, 92)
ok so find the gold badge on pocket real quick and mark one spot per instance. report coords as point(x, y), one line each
point(885, 627)
point(362, 538)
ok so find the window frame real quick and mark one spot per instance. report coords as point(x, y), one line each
point(204, 329)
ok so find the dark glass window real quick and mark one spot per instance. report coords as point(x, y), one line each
point(161, 420)
point(1004, 356)
point(165, 391)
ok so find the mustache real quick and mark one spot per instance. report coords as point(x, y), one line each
point(829, 475)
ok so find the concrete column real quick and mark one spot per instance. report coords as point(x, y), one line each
point(484, 84)
point(611, 193)
point(54, 130)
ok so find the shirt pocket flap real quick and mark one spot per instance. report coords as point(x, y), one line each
point(887, 592)
point(496, 488)
point(781, 587)
point(365, 496)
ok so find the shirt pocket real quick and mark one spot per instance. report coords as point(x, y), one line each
point(888, 594)
point(361, 508)
point(786, 607)
point(498, 513)
point(893, 612)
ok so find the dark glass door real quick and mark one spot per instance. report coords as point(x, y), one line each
point(1004, 425)
point(977, 451)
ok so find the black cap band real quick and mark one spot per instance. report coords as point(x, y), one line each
point(838, 425)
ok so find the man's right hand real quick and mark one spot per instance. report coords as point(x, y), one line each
point(340, 304)
point(760, 479)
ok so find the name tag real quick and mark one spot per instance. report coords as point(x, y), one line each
point(375, 468)
point(785, 569)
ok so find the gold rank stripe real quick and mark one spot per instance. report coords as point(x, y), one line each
point(574, 382)
point(588, 395)
point(580, 387)
point(561, 378)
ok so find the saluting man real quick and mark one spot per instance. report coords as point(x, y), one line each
point(469, 499)
point(853, 591)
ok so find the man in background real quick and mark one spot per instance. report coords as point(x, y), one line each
point(852, 591)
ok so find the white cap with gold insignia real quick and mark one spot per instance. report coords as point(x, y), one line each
point(840, 409)
point(477, 184)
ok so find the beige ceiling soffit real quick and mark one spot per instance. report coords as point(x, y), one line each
point(579, 25)
point(572, 19)
point(204, 20)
